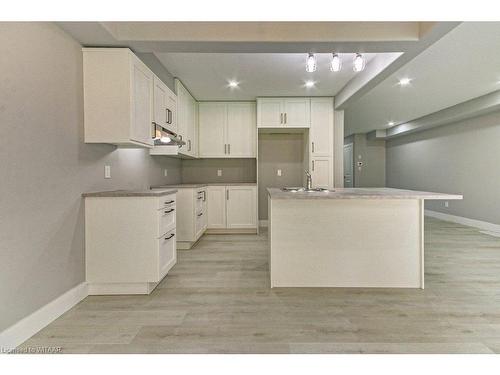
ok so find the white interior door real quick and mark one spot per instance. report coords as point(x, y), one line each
point(297, 112)
point(348, 166)
point(241, 129)
point(216, 207)
point(212, 125)
point(241, 207)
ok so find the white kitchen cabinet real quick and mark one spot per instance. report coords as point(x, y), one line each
point(241, 132)
point(322, 172)
point(283, 112)
point(212, 128)
point(241, 207)
point(321, 131)
point(118, 98)
point(186, 120)
point(129, 242)
point(232, 207)
point(191, 215)
point(216, 207)
point(227, 130)
point(270, 112)
point(164, 106)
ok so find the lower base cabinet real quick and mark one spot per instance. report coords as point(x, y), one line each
point(232, 208)
point(191, 215)
point(130, 242)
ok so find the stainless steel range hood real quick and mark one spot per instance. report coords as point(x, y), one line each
point(165, 137)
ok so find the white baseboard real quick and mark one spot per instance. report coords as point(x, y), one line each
point(263, 223)
point(28, 326)
point(484, 225)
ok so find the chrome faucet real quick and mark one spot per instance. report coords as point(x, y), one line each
point(309, 180)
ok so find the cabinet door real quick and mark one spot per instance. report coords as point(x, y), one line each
point(171, 104)
point(297, 113)
point(241, 207)
point(216, 207)
point(321, 131)
point(160, 115)
point(212, 125)
point(241, 130)
point(269, 113)
point(322, 173)
point(142, 84)
point(182, 108)
point(190, 123)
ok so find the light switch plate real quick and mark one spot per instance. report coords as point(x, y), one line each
point(278, 172)
point(219, 172)
point(107, 171)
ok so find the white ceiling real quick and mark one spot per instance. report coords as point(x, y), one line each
point(464, 64)
point(260, 74)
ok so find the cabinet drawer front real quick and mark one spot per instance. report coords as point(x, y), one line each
point(166, 219)
point(167, 256)
point(167, 201)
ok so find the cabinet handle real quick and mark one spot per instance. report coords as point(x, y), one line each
point(229, 148)
point(227, 194)
point(189, 145)
point(200, 214)
point(169, 237)
point(285, 118)
point(313, 165)
point(281, 118)
point(313, 147)
point(200, 197)
point(169, 202)
point(225, 148)
point(169, 211)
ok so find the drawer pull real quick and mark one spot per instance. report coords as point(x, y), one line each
point(201, 213)
point(169, 211)
point(169, 237)
point(169, 202)
point(200, 197)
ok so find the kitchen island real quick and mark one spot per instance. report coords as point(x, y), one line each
point(356, 237)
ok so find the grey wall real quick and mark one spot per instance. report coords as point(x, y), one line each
point(158, 68)
point(45, 167)
point(279, 151)
point(457, 158)
point(205, 170)
point(372, 154)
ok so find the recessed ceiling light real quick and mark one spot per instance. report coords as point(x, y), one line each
point(390, 123)
point(311, 63)
point(233, 84)
point(309, 84)
point(404, 81)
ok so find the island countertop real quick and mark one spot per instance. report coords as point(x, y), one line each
point(129, 193)
point(362, 193)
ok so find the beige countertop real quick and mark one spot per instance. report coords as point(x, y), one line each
point(362, 193)
point(180, 186)
point(131, 193)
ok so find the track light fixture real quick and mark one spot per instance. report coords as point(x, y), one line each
point(336, 63)
point(311, 63)
point(358, 64)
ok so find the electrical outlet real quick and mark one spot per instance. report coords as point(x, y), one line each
point(446, 204)
point(278, 172)
point(219, 172)
point(165, 172)
point(107, 171)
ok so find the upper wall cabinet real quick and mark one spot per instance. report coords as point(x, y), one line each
point(164, 106)
point(187, 118)
point(227, 130)
point(283, 112)
point(118, 98)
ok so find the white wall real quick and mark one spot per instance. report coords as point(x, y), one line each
point(45, 167)
point(458, 158)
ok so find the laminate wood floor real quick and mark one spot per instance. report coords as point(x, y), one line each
point(217, 300)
